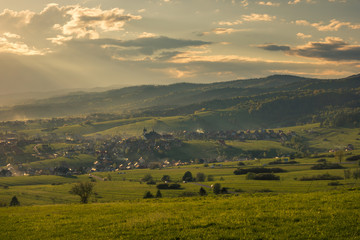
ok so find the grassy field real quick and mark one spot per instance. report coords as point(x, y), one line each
point(127, 185)
point(330, 215)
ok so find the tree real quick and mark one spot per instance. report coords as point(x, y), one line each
point(339, 155)
point(84, 190)
point(148, 194)
point(202, 192)
point(165, 178)
point(14, 202)
point(200, 177)
point(217, 188)
point(187, 177)
point(158, 194)
point(147, 178)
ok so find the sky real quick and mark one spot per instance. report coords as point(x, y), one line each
point(48, 46)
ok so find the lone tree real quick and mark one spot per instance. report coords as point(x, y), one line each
point(165, 178)
point(339, 155)
point(148, 194)
point(14, 202)
point(158, 194)
point(202, 192)
point(187, 177)
point(84, 190)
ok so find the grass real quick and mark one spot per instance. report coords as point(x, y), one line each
point(331, 215)
point(82, 160)
point(39, 190)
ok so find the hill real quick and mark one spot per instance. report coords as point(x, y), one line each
point(174, 98)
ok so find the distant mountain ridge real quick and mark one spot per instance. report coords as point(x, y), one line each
point(175, 96)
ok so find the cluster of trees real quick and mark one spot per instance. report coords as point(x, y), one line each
point(257, 170)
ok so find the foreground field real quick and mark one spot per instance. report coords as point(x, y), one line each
point(330, 215)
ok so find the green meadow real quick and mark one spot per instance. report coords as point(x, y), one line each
point(318, 215)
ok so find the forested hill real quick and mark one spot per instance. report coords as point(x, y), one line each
point(277, 99)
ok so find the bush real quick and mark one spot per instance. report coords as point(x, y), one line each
point(258, 170)
point(322, 160)
point(188, 194)
point(148, 194)
point(151, 182)
point(224, 190)
point(174, 186)
point(322, 166)
point(165, 178)
point(158, 194)
point(325, 176)
point(162, 186)
point(187, 177)
point(334, 183)
point(250, 175)
point(200, 177)
point(14, 202)
point(202, 192)
point(241, 164)
point(217, 188)
point(353, 158)
point(210, 178)
point(266, 176)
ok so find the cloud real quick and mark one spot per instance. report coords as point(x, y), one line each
point(219, 31)
point(334, 25)
point(85, 21)
point(258, 17)
point(254, 17)
point(274, 47)
point(299, 1)
point(227, 23)
point(331, 49)
point(303, 36)
point(17, 47)
point(56, 24)
point(271, 4)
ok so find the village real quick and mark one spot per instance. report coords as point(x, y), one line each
point(111, 153)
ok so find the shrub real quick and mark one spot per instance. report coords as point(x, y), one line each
point(200, 177)
point(202, 192)
point(158, 194)
point(188, 194)
point(281, 162)
point(322, 166)
point(14, 202)
point(151, 182)
point(162, 186)
point(224, 190)
point(240, 171)
point(322, 160)
point(148, 194)
point(353, 158)
point(165, 178)
point(210, 178)
point(174, 186)
point(241, 164)
point(217, 188)
point(147, 178)
point(250, 175)
point(266, 176)
point(325, 176)
point(334, 183)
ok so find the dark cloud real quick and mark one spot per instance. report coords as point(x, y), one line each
point(147, 46)
point(332, 49)
point(273, 47)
